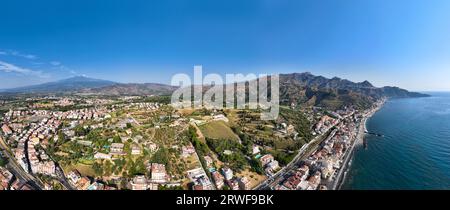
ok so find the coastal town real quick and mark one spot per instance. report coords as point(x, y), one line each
point(325, 167)
point(143, 143)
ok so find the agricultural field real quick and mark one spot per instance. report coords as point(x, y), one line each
point(218, 130)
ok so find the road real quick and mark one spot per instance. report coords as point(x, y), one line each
point(343, 170)
point(17, 170)
point(359, 138)
point(62, 179)
point(280, 175)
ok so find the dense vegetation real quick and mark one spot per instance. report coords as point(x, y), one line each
point(236, 160)
point(3, 161)
point(201, 148)
point(301, 123)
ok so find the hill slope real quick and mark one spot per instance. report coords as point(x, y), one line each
point(132, 89)
point(307, 89)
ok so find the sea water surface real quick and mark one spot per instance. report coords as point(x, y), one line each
point(414, 152)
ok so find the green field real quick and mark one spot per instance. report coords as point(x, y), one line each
point(85, 170)
point(218, 130)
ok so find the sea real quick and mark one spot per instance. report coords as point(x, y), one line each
point(413, 152)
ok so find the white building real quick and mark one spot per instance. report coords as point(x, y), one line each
point(255, 150)
point(139, 183)
point(227, 173)
point(100, 155)
point(158, 173)
point(135, 150)
point(117, 148)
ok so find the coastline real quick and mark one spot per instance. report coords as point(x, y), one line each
point(359, 139)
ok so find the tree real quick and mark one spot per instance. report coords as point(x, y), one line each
point(93, 135)
point(282, 157)
point(61, 137)
point(137, 167)
point(3, 161)
point(117, 139)
point(80, 131)
point(98, 169)
point(161, 156)
point(256, 166)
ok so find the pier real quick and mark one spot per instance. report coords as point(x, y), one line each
point(373, 133)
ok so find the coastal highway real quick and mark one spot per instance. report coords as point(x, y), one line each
point(343, 170)
point(303, 152)
point(359, 138)
point(17, 170)
point(309, 148)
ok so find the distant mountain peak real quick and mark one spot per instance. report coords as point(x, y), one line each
point(366, 84)
point(81, 78)
point(336, 78)
point(65, 85)
point(308, 89)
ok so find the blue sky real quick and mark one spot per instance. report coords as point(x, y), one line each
point(404, 43)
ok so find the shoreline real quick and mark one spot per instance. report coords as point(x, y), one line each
point(359, 140)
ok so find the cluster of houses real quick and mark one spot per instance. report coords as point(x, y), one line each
point(301, 179)
point(98, 114)
point(220, 178)
point(98, 101)
point(226, 177)
point(158, 176)
point(84, 183)
point(324, 124)
point(269, 163)
point(5, 178)
point(64, 102)
point(27, 138)
point(20, 185)
point(8, 182)
point(199, 179)
point(117, 149)
point(68, 101)
point(323, 164)
point(144, 105)
point(286, 129)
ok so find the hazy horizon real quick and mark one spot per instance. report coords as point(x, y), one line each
point(75, 76)
point(389, 43)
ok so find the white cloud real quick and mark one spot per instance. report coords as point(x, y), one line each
point(18, 54)
point(37, 63)
point(55, 63)
point(11, 68)
point(27, 56)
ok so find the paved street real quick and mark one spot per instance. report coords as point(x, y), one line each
point(303, 152)
point(16, 169)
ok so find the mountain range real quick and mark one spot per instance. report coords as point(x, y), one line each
point(308, 89)
point(298, 88)
point(65, 85)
